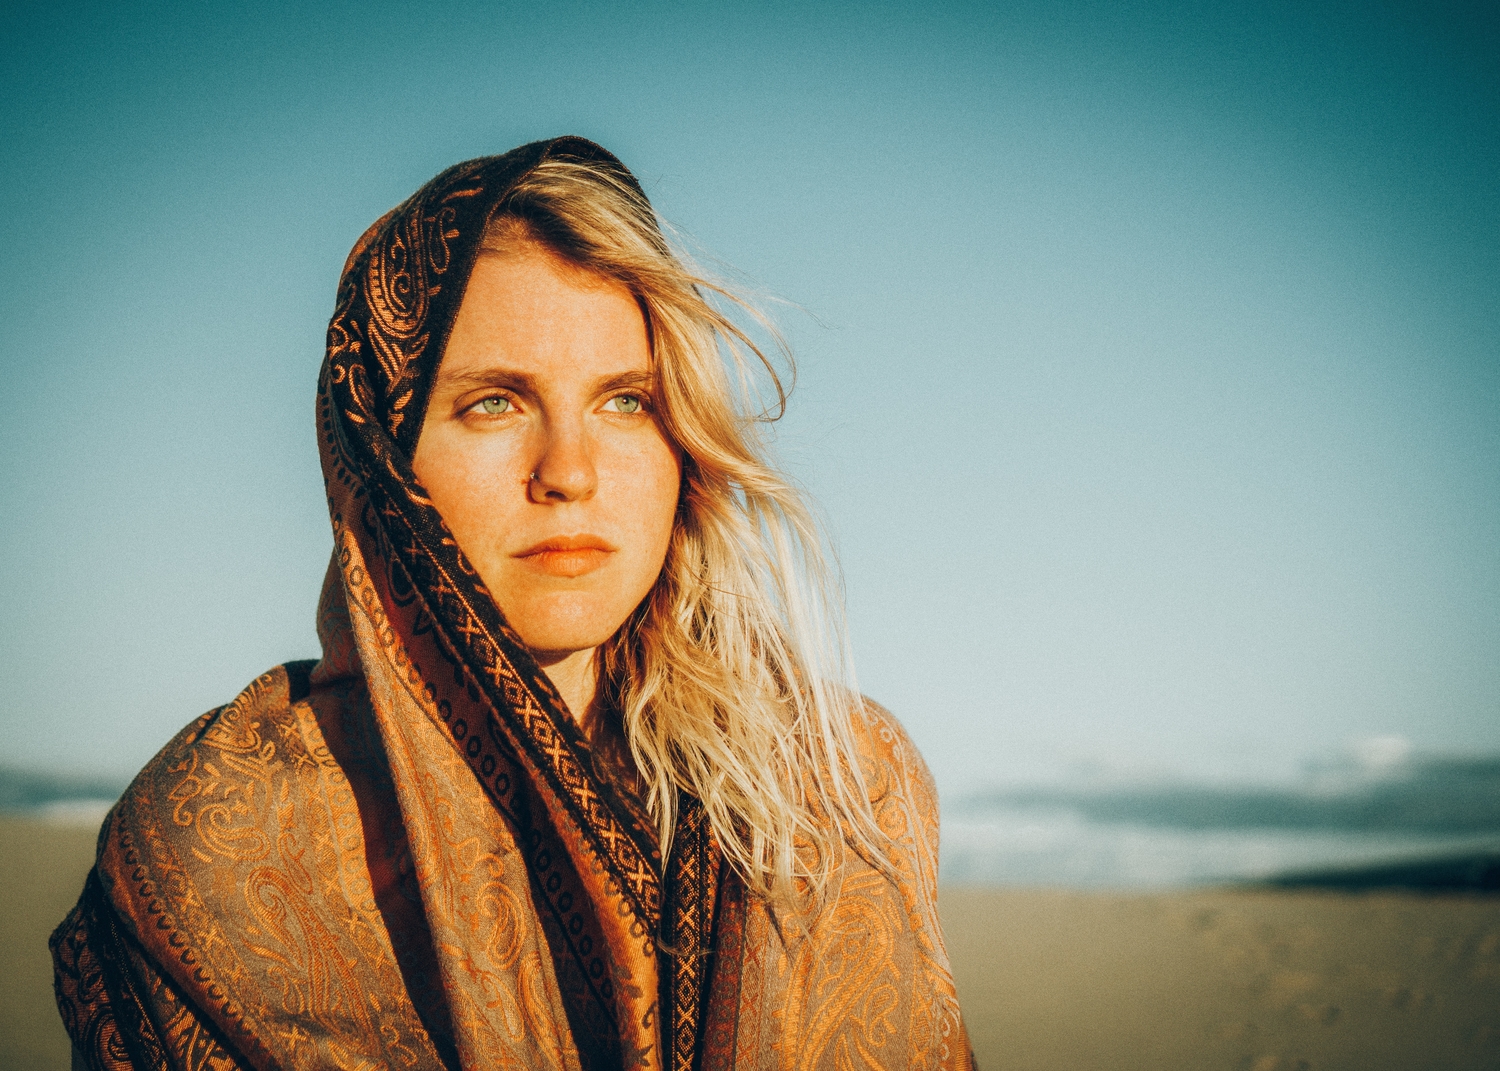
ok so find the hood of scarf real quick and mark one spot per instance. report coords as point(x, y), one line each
point(445, 674)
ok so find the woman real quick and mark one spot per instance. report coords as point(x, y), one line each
point(575, 783)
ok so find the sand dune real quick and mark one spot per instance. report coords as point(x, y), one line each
point(1239, 981)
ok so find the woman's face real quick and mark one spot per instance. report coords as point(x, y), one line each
point(541, 451)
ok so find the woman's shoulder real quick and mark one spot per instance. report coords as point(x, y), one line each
point(903, 798)
point(223, 758)
point(238, 726)
point(890, 760)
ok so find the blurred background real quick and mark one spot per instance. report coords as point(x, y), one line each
point(1148, 354)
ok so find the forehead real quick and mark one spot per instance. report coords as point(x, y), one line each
point(529, 310)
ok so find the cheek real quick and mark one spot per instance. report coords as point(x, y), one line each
point(475, 489)
point(642, 505)
point(654, 480)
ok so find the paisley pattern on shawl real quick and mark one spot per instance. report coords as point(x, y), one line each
point(404, 855)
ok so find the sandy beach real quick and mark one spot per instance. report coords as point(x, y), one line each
point(1248, 981)
point(1224, 979)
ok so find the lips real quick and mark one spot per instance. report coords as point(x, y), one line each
point(567, 556)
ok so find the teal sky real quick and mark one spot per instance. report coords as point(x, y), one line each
point(1149, 353)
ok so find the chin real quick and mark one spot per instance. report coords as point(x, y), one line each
point(564, 626)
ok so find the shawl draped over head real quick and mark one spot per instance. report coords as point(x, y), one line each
point(404, 855)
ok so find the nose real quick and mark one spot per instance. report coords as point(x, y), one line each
point(564, 471)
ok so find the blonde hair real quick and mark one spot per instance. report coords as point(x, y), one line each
point(732, 677)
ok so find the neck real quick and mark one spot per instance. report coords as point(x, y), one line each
point(575, 676)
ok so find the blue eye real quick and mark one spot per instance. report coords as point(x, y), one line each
point(625, 403)
point(495, 406)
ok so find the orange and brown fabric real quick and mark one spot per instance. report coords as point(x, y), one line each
point(404, 855)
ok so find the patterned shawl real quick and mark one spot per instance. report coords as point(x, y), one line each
point(404, 855)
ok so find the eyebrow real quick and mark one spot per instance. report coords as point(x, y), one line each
point(526, 384)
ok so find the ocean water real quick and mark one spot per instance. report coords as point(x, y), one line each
point(1061, 848)
point(1378, 807)
point(72, 812)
